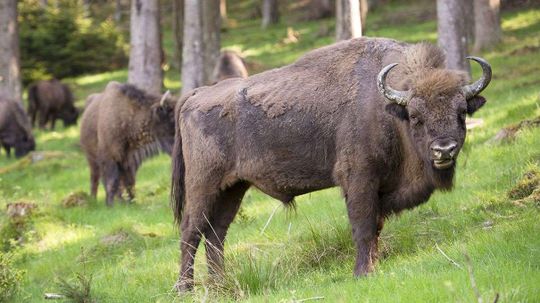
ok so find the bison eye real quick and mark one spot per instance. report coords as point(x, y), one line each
point(415, 120)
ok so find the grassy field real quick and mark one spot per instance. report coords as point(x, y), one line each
point(488, 224)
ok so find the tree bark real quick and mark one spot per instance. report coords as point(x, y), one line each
point(118, 11)
point(487, 25)
point(10, 71)
point(270, 12)
point(223, 11)
point(211, 37)
point(364, 8)
point(452, 33)
point(146, 54)
point(192, 55)
point(178, 31)
point(348, 23)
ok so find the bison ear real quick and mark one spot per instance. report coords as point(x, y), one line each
point(397, 110)
point(474, 104)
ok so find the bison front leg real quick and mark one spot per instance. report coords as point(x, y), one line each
point(362, 208)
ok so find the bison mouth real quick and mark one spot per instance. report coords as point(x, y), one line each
point(443, 163)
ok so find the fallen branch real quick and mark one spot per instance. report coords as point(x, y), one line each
point(53, 296)
point(309, 299)
point(447, 257)
point(471, 277)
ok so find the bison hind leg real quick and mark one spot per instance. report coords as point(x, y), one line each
point(226, 208)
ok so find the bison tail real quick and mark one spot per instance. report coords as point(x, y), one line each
point(178, 173)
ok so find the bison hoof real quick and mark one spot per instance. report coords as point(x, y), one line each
point(183, 287)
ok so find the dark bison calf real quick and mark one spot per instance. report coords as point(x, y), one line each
point(15, 129)
point(120, 128)
point(330, 119)
point(51, 100)
point(230, 65)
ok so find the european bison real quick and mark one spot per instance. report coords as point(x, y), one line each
point(230, 65)
point(15, 129)
point(52, 100)
point(330, 119)
point(120, 128)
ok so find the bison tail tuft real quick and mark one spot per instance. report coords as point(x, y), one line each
point(178, 173)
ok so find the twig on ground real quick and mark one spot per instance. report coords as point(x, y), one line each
point(53, 296)
point(309, 299)
point(447, 257)
point(471, 277)
point(270, 218)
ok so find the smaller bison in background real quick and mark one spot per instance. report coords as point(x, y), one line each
point(15, 129)
point(51, 100)
point(120, 128)
point(230, 65)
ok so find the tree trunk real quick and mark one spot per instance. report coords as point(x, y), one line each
point(348, 23)
point(211, 37)
point(487, 26)
point(118, 11)
point(10, 71)
point(192, 54)
point(270, 12)
point(146, 54)
point(364, 8)
point(319, 9)
point(223, 11)
point(452, 33)
point(178, 31)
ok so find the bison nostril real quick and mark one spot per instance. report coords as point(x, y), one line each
point(447, 150)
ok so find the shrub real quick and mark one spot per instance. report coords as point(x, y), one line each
point(10, 278)
point(60, 41)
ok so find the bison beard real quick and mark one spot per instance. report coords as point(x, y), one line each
point(321, 122)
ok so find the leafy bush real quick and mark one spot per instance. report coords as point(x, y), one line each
point(60, 41)
point(10, 278)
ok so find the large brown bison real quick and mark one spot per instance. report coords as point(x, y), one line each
point(51, 100)
point(120, 128)
point(229, 65)
point(343, 115)
point(15, 129)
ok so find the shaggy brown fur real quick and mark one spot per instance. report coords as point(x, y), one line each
point(15, 129)
point(120, 128)
point(230, 65)
point(317, 123)
point(52, 100)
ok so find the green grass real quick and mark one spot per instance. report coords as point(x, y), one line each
point(305, 253)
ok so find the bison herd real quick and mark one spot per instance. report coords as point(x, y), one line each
point(382, 119)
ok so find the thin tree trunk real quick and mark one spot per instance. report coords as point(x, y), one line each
point(468, 19)
point(146, 54)
point(364, 8)
point(348, 23)
point(118, 11)
point(211, 37)
point(487, 26)
point(192, 55)
point(270, 12)
point(178, 31)
point(452, 33)
point(223, 12)
point(10, 71)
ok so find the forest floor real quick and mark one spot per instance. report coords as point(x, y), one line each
point(479, 240)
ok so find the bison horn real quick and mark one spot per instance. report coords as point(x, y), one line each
point(165, 95)
point(474, 89)
point(391, 94)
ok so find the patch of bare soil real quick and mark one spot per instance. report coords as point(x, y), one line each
point(75, 199)
point(527, 189)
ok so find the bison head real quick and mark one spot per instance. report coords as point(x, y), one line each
point(163, 121)
point(435, 111)
point(69, 115)
point(24, 145)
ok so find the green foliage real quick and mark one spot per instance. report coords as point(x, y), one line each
point(60, 41)
point(10, 277)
